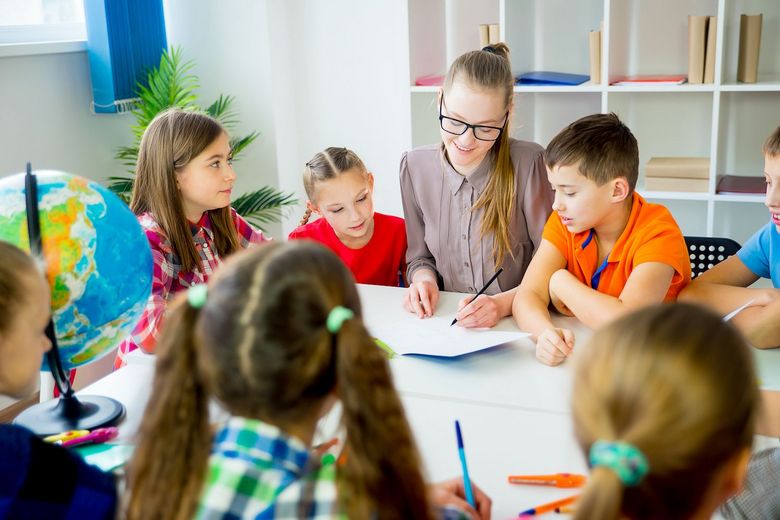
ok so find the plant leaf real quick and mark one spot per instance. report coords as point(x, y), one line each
point(263, 206)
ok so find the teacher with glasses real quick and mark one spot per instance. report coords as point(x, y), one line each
point(476, 202)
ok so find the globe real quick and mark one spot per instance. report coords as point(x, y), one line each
point(97, 260)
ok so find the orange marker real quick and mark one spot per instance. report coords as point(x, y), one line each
point(550, 506)
point(565, 510)
point(561, 480)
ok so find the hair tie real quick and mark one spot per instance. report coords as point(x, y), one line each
point(625, 459)
point(336, 318)
point(490, 49)
point(196, 296)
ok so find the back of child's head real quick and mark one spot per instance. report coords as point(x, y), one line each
point(772, 144)
point(265, 346)
point(173, 139)
point(14, 271)
point(663, 399)
point(489, 70)
point(600, 145)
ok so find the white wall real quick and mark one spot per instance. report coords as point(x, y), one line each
point(45, 118)
point(340, 71)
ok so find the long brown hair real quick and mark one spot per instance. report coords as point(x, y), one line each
point(491, 70)
point(676, 382)
point(325, 165)
point(260, 345)
point(170, 142)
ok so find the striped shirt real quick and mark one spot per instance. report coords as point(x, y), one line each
point(168, 277)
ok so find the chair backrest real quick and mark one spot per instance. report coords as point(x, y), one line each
point(706, 252)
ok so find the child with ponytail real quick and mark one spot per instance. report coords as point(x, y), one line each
point(181, 195)
point(478, 200)
point(340, 191)
point(277, 339)
point(664, 404)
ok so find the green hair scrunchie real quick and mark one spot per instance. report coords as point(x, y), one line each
point(336, 318)
point(625, 459)
point(196, 296)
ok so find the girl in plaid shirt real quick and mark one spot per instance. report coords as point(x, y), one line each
point(277, 341)
point(181, 195)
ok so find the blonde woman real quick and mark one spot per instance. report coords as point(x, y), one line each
point(477, 201)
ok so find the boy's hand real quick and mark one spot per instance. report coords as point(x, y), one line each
point(482, 312)
point(553, 346)
point(451, 493)
point(421, 298)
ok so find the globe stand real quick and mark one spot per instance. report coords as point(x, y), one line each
point(68, 412)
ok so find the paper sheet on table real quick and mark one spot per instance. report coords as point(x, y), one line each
point(435, 337)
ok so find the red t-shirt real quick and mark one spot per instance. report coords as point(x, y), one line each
point(379, 262)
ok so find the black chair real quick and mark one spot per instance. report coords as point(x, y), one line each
point(706, 252)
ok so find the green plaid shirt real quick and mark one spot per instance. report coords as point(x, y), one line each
point(256, 471)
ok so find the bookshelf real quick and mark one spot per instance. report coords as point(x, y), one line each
point(726, 121)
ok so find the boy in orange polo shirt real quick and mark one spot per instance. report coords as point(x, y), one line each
point(604, 250)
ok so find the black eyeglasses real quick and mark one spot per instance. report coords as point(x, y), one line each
point(458, 127)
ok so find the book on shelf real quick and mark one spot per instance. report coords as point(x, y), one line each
point(493, 35)
point(709, 53)
point(430, 80)
point(741, 185)
point(650, 79)
point(676, 184)
point(544, 77)
point(678, 167)
point(697, 34)
point(594, 48)
point(484, 35)
point(749, 46)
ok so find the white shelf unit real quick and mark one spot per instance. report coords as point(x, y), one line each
point(725, 121)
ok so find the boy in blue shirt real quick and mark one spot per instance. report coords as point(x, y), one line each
point(725, 286)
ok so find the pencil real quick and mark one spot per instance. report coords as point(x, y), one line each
point(550, 506)
point(466, 480)
point(492, 279)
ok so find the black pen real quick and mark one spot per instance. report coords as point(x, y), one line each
point(500, 270)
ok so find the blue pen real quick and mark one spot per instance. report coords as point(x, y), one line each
point(466, 479)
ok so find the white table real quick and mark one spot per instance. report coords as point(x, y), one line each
point(514, 411)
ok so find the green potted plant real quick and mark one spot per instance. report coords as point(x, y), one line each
point(173, 84)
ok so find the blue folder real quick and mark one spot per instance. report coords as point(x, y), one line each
point(543, 77)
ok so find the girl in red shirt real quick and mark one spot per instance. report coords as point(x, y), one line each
point(340, 191)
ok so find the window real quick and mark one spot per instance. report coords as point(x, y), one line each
point(35, 21)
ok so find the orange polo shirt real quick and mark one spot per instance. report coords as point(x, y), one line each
point(651, 235)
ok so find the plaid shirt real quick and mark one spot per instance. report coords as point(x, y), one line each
point(257, 471)
point(169, 278)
